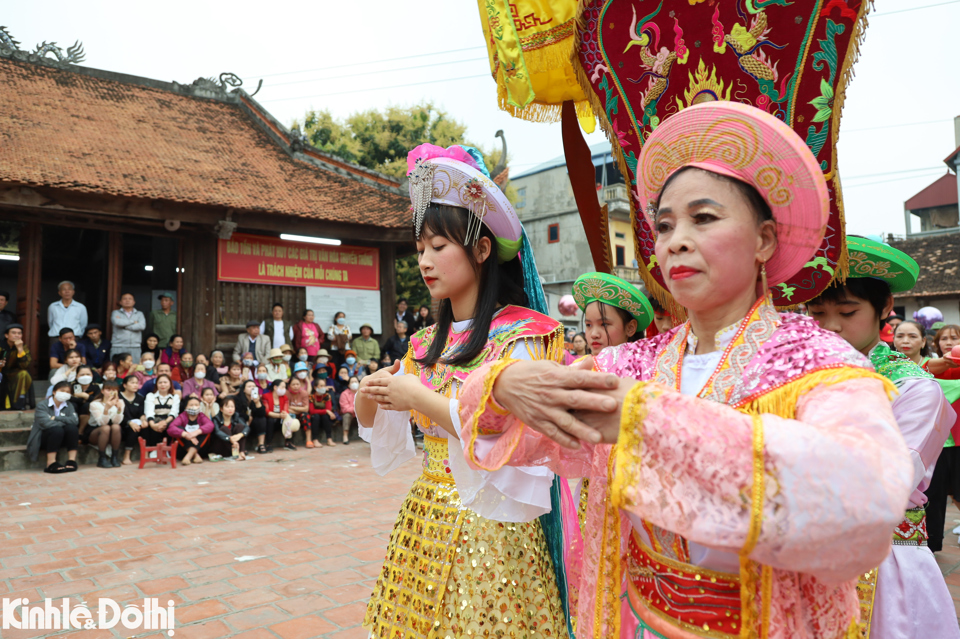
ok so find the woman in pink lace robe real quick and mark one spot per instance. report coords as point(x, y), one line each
point(746, 469)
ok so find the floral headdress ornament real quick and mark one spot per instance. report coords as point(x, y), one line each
point(422, 191)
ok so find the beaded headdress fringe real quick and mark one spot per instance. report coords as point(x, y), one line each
point(421, 181)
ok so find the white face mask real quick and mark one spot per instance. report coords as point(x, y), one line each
point(354, 386)
point(62, 396)
point(281, 392)
point(323, 360)
point(148, 364)
point(287, 358)
point(192, 412)
point(261, 376)
point(200, 374)
point(248, 362)
point(85, 379)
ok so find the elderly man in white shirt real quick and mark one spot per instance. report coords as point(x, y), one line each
point(278, 330)
point(66, 313)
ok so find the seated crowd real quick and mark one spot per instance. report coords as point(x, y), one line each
point(214, 407)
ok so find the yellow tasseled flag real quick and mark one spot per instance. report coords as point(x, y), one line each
point(530, 44)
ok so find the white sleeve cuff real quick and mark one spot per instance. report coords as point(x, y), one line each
point(390, 439)
point(509, 494)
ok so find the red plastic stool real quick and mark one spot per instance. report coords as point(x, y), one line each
point(164, 453)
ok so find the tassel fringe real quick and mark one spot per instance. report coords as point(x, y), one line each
point(783, 401)
point(539, 111)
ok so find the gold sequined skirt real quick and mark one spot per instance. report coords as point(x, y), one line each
point(451, 573)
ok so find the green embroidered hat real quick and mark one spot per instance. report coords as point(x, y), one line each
point(612, 290)
point(870, 258)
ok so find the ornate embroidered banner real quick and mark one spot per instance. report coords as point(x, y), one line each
point(647, 60)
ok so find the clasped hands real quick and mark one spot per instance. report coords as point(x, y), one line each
point(568, 404)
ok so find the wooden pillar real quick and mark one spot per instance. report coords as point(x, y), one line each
point(181, 262)
point(197, 301)
point(388, 287)
point(28, 291)
point(114, 277)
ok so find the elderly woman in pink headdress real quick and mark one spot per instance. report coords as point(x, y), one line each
point(746, 469)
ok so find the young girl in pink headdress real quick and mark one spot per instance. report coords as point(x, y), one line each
point(469, 553)
point(746, 468)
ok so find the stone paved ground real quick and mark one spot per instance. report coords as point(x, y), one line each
point(949, 557)
point(318, 520)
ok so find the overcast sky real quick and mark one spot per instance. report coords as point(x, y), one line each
point(896, 130)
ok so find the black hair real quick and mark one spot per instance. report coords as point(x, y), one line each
point(276, 382)
point(229, 398)
point(5, 295)
point(156, 383)
point(119, 357)
point(338, 313)
point(110, 383)
point(173, 337)
point(943, 329)
point(66, 330)
point(240, 398)
point(625, 317)
point(63, 384)
point(759, 205)
point(925, 348)
point(191, 398)
point(143, 345)
point(84, 366)
point(586, 342)
point(402, 299)
point(66, 354)
point(500, 285)
point(422, 321)
point(276, 304)
point(128, 378)
point(304, 316)
point(874, 291)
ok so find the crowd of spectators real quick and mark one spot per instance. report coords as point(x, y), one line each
point(146, 383)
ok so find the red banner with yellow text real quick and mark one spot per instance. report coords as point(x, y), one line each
point(257, 259)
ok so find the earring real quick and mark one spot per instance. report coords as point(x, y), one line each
point(763, 278)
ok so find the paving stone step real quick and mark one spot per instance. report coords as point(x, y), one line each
point(16, 419)
point(14, 436)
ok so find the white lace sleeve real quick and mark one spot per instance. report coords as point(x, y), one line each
point(510, 494)
point(393, 443)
